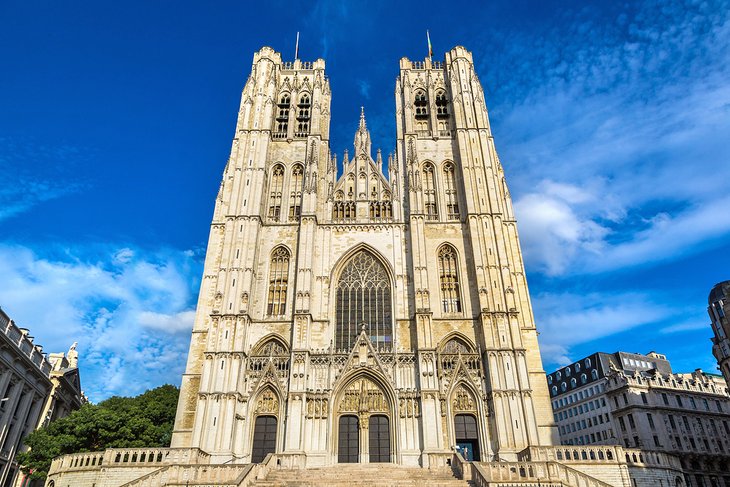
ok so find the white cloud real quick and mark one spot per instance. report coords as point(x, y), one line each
point(364, 88)
point(22, 161)
point(625, 130)
point(169, 323)
point(129, 309)
point(568, 319)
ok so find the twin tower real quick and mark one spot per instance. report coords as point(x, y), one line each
point(346, 316)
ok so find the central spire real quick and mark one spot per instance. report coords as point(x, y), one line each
point(362, 136)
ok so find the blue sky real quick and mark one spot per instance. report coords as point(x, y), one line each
point(612, 121)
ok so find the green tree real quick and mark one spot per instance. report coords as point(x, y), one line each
point(118, 422)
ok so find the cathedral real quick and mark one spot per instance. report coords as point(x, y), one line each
point(361, 316)
point(361, 328)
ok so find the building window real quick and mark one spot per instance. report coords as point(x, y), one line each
point(429, 192)
point(583, 378)
point(295, 197)
point(656, 441)
point(452, 204)
point(632, 424)
point(363, 299)
point(692, 402)
point(276, 186)
point(282, 116)
point(442, 105)
point(650, 420)
point(303, 116)
point(449, 279)
point(665, 399)
point(643, 398)
point(420, 103)
point(278, 278)
point(679, 401)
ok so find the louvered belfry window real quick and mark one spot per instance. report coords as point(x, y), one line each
point(364, 297)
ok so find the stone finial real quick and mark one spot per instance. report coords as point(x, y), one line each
point(362, 136)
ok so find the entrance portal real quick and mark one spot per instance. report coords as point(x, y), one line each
point(348, 444)
point(379, 428)
point(264, 438)
point(467, 436)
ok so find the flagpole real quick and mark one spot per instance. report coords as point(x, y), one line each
point(430, 49)
point(296, 48)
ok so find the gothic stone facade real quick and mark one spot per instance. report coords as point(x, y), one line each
point(359, 317)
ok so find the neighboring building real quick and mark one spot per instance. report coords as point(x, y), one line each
point(718, 307)
point(354, 319)
point(636, 401)
point(34, 388)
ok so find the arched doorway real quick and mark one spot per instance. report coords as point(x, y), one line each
point(467, 436)
point(264, 438)
point(379, 439)
point(348, 442)
point(266, 423)
point(364, 424)
point(466, 429)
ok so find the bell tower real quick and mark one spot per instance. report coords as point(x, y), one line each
point(458, 208)
point(268, 193)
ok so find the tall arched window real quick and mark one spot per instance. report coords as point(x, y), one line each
point(429, 192)
point(282, 115)
point(363, 297)
point(303, 116)
point(452, 203)
point(276, 186)
point(449, 277)
point(295, 197)
point(278, 280)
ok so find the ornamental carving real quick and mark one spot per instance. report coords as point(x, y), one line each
point(363, 396)
point(267, 403)
point(462, 400)
point(408, 407)
point(317, 407)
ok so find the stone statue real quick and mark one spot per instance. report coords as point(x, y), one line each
point(73, 356)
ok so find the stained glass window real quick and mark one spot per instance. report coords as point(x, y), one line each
point(363, 298)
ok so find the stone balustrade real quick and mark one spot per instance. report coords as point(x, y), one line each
point(120, 457)
point(644, 458)
point(570, 454)
point(550, 474)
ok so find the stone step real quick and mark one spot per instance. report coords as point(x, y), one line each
point(359, 475)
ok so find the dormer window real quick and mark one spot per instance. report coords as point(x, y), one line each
point(420, 104)
point(442, 105)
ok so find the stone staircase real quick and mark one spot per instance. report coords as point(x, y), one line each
point(361, 475)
